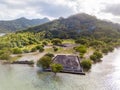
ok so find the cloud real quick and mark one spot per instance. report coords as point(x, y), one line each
point(36, 8)
point(114, 9)
point(55, 10)
point(103, 9)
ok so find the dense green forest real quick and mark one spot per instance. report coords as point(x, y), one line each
point(20, 24)
point(79, 25)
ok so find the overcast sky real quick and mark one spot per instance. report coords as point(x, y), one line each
point(103, 9)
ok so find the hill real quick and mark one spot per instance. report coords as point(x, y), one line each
point(20, 24)
point(76, 26)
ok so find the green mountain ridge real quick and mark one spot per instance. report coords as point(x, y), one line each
point(20, 24)
point(76, 26)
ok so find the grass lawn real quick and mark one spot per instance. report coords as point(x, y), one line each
point(61, 50)
point(71, 41)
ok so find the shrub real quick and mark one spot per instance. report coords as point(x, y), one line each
point(96, 43)
point(86, 64)
point(56, 42)
point(98, 54)
point(26, 51)
point(39, 47)
point(93, 57)
point(5, 56)
point(81, 55)
point(82, 41)
point(81, 49)
point(50, 55)
point(44, 43)
point(17, 51)
point(45, 62)
point(55, 49)
point(56, 67)
point(110, 48)
point(34, 49)
point(105, 50)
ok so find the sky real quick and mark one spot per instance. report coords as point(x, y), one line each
point(31, 9)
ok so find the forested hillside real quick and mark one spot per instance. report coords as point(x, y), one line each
point(20, 24)
point(78, 25)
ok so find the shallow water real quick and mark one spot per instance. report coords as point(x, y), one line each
point(103, 76)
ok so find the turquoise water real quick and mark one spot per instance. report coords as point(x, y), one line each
point(103, 76)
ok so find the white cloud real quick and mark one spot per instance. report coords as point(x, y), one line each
point(11, 9)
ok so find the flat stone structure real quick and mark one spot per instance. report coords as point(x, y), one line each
point(71, 63)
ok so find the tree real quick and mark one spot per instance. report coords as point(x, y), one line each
point(110, 48)
point(96, 56)
point(97, 44)
point(81, 49)
point(41, 49)
point(93, 57)
point(45, 62)
point(86, 64)
point(82, 41)
point(34, 49)
point(44, 43)
point(5, 56)
point(55, 48)
point(56, 67)
point(56, 42)
point(49, 54)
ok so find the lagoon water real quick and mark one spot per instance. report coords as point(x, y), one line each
point(103, 76)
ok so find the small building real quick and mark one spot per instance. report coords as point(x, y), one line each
point(70, 63)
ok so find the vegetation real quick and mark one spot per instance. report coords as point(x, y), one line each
point(17, 51)
point(107, 49)
point(81, 49)
point(56, 42)
point(26, 51)
point(45, 62)
point(49, 55)
point(56, 67)
point(55, 48)
point(96, 56)
point(41, 49)
point(82, 41)
point(44, 43)
point(79, 25)
point(86, 64)
point(34, 49)
point(83, 30)
point(20, 24)
point(5, 56)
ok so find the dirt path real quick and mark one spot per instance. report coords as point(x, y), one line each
point(89, 53)
point(35, 56)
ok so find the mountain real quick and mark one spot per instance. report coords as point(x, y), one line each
point(20, 24)
point(78, 25)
